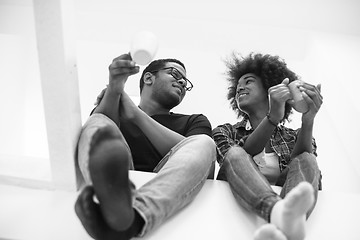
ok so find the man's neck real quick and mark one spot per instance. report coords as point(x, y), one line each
point(152, 108)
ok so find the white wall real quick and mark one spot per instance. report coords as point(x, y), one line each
point(319, 40)
point(20, 90)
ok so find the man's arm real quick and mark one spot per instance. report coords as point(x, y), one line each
point(160, 136)
point(119, 71)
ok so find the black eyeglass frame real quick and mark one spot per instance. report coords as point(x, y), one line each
point(177, 77)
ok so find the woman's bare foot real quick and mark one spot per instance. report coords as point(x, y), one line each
point(289, 214)
point(109, 160)
point(269, 232)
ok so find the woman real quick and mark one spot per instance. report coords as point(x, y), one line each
point(259, 151)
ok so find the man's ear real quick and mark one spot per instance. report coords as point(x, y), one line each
point(148, 78)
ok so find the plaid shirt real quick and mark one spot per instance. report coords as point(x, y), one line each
point(282, 141)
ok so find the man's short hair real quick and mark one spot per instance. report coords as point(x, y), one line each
point(157, 65)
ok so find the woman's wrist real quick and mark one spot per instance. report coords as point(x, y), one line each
point(271, 121)
point(306, 123)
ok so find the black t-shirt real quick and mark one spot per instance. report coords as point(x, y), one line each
point(145, 156)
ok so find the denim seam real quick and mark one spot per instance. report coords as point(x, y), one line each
point(144, 212)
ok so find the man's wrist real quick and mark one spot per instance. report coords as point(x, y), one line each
point(115, 88)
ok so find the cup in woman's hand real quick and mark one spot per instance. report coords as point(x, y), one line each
point(300, 104)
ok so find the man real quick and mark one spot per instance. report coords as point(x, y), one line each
point(119, 136)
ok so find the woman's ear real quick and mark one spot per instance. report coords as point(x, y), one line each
point(148, 78)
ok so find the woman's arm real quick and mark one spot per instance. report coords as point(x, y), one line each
point(314, 99)
point(257, 140)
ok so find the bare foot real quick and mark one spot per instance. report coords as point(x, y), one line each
point(90, 215)
point(289, 214)
point(109, 165)
point(269, 232)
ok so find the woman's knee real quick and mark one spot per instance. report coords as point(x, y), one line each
point(235, 153)
point(231, 159)
point(307, 164)
point(306, 159)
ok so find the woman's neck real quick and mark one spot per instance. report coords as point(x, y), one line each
point(255, 120)
point(257, 116)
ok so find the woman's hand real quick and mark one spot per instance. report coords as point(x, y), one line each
point(314, 99)
point(278, 96)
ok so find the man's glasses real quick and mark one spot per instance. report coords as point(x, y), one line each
point(178, 76)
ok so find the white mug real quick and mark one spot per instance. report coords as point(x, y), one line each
point(300, 104)
point(144, 47)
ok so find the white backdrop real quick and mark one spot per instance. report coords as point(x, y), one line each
point(319, 40)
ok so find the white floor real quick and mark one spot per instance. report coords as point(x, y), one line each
point(40, 214)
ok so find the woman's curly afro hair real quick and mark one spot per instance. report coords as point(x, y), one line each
point(272, 70)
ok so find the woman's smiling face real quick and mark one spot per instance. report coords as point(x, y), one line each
point(250, 92)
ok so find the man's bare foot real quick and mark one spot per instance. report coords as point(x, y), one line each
point(289, 214)
point(90, 215)
point(269, 232)
point(109, 159)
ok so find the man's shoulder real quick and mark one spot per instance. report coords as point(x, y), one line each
point(195, 119)
point(190, 116)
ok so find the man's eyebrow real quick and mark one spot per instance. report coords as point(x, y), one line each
point(179, 71)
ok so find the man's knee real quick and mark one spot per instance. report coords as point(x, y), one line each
point(205, 141)
point(93, 124)
point(207, 145)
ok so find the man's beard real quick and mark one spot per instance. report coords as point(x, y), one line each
point(167, 102)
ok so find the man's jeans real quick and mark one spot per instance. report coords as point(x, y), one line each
point(252, 190)
point(180, 174)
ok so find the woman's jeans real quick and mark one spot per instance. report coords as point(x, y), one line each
point(180, 174)
point(252, 190)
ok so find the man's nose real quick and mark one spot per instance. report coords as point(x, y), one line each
point(182, 82)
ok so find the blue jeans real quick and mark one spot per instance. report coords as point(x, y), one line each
point(180, 174)
point(252, 190)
